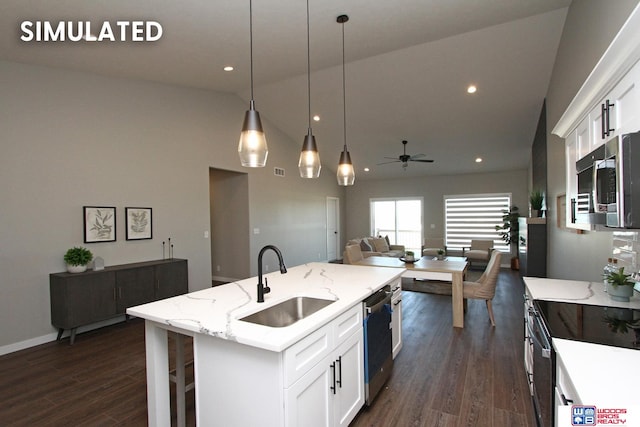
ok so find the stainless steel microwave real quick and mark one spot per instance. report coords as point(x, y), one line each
point(609, 184)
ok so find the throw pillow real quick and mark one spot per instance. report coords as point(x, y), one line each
point(364, 246)
point(387, 239)
point(381, 245)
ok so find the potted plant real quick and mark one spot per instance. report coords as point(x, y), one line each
point(77, 259)
point(409, 256)
point(620, 287)
point(536, 199)
point(440, 254)
point(509, 231)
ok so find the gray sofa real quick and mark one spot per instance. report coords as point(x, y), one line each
point(377, 246)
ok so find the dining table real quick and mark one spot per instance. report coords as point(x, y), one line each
point(451, 269)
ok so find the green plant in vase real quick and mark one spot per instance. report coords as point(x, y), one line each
point(536, 199)
point(77, 259)
point(620, 285)
point(440, 254)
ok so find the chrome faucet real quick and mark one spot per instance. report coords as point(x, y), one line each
point(264, 289)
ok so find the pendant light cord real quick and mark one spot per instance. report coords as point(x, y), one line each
point(344, 93)
point(251, 45)
point(308, 67)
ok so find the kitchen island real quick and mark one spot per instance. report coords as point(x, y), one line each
point(249, 374)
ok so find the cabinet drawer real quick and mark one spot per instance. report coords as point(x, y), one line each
point(347, 323)
point(306, 353)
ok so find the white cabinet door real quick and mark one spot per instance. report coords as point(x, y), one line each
point(622, 102)
point(349, 396)
point(309, 402)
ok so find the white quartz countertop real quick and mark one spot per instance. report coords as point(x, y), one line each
point(601, 375)
point(214, 311)
point(574, 291)
point(594, 369)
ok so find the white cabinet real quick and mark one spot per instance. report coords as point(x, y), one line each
point(616, 114)
point(396, 317)
point(564, 390)
point(331, 391)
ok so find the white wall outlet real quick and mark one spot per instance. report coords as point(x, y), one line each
point(217, 268)
point(206, 234)
point(266, 268)
point(256, 230)
point(433, 226)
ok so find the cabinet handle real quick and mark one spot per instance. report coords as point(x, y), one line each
point(114, 294)
point(605, 117)
point(565, 401)
point(157, 284)
point(120, 292)
point(603, 120)
point(333, 370)
point(339, 381)
point(397, 302)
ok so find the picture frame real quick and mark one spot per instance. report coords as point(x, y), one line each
point(99, 224)
point(138, 223)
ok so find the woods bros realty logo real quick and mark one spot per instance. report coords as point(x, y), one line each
point(76, 31)
point(589, 415)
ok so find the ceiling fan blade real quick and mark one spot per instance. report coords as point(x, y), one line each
point(392, 161)
point(392, 158)
point(417, 156)
point(420, 160)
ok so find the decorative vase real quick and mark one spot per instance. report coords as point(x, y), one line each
point(620, 293)
point(440, 257)
point(76, 268)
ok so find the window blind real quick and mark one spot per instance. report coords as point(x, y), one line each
point(475, 217)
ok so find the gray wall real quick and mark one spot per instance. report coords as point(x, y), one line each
point(432, 189)
point(589, 28)
point(70, 139)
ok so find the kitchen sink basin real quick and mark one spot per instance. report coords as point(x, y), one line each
point(287, 312)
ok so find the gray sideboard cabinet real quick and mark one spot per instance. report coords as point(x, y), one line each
point(79, 299)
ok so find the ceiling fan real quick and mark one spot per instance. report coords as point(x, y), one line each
point(405, 158)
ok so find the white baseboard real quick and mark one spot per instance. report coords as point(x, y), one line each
point(32, 342)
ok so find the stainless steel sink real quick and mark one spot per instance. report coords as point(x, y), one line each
point(287, 312)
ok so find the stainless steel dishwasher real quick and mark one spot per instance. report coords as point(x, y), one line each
point(378, 351)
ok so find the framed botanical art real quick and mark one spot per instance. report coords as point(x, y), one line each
point(138, 223)
point(99, 224)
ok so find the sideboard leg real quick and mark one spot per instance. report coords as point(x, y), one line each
point(72, 337)
point(60, 331)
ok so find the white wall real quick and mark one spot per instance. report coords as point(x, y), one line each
point(432, 189)
point(589, 29)
point(70, 139)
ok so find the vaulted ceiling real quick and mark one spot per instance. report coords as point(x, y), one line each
point(409, 63)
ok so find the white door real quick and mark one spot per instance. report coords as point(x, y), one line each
point(333, 228)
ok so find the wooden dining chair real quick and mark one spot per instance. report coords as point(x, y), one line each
point(485, 287)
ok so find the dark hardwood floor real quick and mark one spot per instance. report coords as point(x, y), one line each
point(442, 377)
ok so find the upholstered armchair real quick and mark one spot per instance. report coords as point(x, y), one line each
point(479, 251)
point(485, 287)
point(432, 245)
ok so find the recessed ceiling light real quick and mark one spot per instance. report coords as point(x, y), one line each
point(316, 118)
point(228, 68)
point(366, 169)
point(472, 89)
point(478, 159)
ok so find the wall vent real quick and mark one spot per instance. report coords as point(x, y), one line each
point(278, 171)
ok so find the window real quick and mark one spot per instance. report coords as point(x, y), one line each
point(400, 219)
point(475, 217)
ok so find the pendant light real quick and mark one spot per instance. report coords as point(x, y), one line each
point(252, 147)
point(346, 175)
point(309, 163)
